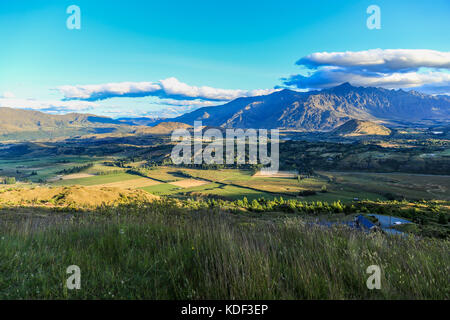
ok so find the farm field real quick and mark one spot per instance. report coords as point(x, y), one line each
point(96, 180)
point(237, 183)
point(131, 184)
point(228, 183)
point(232, 180)
point(412, 186)
point(76, 176)
point(49, 169)
point(209, 190)
point(75, 197)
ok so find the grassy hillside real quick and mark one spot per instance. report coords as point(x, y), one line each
point(74, 196)
point(19, 124)
point(355, 127)
point(158, 251)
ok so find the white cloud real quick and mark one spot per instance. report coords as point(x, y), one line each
point(51, 106)
point(327, 78)
point(189, 103)
point(7, 94)
point(392, 68)
point(108, 90)
point(170, 88)
point(380, 60)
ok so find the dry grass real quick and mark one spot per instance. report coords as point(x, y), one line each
point(78, 196)
point(76, 176)
point(280, 174)
point(188, 183)
point(132, 184)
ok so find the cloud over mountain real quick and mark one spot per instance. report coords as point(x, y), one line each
point(392, 60)
point(424, 70)
point(50, 106)
point(170, 88)
point(7, 95)
point(391, 68)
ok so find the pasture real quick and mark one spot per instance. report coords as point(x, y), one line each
point(229, 184)
point(410, 186)
point(233, 184)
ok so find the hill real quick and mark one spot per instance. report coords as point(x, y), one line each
point(74, 195)
point(140, 121)
point(28, 124)
point(355, 127)
point(29, 120)
point(322, 110)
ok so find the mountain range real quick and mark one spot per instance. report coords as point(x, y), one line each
point(323, 110)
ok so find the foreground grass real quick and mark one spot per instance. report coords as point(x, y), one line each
point(158, 251)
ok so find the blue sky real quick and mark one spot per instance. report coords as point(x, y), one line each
point(231, 47)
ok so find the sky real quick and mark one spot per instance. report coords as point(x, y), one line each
point(163, 58)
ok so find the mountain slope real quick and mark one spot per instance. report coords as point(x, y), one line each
point(355, 127)
point(322, 110)
point(28, 120)
point(28, 124)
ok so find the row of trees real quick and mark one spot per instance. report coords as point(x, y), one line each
point(8, 180)
point(76, 169)
point(429, 212)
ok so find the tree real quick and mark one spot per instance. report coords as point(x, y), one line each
point(442, 218)
point(9, 180)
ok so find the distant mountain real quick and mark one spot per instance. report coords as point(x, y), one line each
point(140, 121)
point(29, 120)
point(308, 111)
point(353, 128)
point(322, 110)
point(162, 128)
point(28, 124)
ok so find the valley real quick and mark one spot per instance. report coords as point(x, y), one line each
point(383, 172)
point(107, 194)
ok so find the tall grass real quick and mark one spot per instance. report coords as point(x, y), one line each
point(158, 251)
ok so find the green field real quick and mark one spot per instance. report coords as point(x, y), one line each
point(162, 189)
point(208, 190)
point(96, 180)
point(234, 184)
point(46, 168)
point(410, 186)
point(237, 183)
